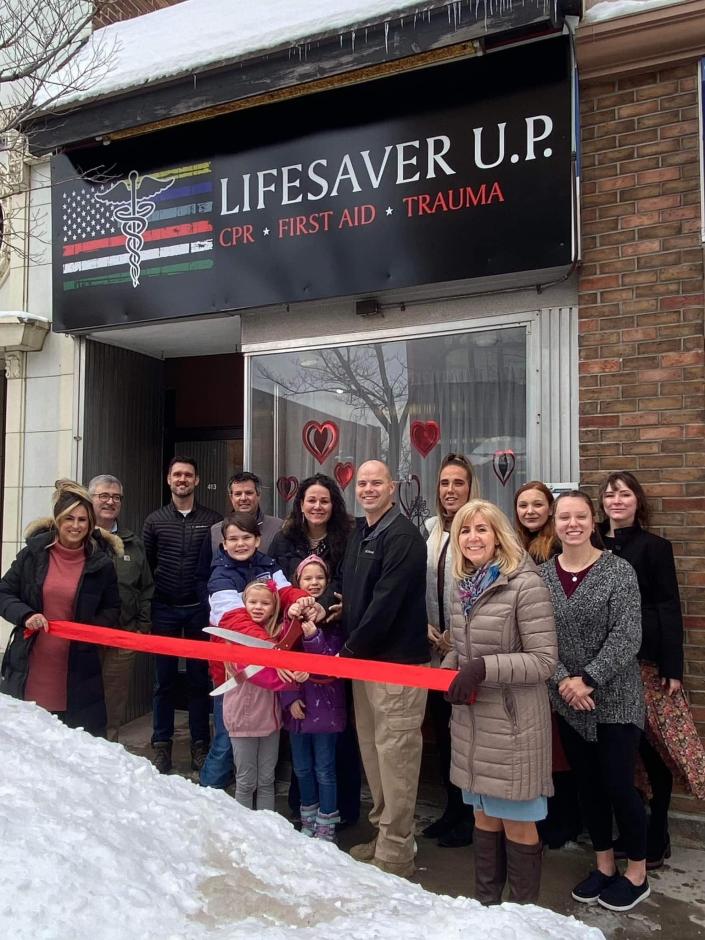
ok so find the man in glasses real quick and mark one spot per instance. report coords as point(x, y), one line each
point(136, 588)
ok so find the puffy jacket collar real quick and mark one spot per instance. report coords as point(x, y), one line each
point(40, 534)
point(258, 560)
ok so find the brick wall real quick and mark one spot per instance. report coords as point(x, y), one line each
point(641, 318)
point(114, 11)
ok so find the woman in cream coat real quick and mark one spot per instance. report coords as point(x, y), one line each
point(504, 645)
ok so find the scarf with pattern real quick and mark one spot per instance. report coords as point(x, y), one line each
point(475, 584)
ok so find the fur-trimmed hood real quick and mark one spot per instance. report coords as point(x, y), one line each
point(99, 538)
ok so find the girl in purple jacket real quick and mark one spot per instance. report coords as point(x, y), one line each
point(314, 715)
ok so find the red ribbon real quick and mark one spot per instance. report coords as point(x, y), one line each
point(367, 670)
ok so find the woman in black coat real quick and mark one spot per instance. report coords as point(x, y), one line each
point(669, 726)
point(69, 554)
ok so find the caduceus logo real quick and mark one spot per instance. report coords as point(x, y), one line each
point(133, 203)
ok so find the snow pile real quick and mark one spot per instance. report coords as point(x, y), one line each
point(197, 34)
point(95, 844)
point(611, 9)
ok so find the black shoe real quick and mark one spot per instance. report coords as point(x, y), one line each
point(622, 895)
point(162, 756)
point(656, 858)
point(590, 889)
point(459, 835)
point(441, 826)
point(199, 752)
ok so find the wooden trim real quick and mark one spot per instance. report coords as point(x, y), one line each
point(641, 41)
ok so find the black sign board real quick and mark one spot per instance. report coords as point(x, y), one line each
point(453, 172)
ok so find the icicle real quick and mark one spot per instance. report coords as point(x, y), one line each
point(386, 37)
point(352, 39)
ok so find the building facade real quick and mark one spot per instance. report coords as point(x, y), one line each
point(397, 238)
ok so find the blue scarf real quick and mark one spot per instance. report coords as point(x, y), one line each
point(474, 585)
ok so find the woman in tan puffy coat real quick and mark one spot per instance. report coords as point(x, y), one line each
point(504, 645)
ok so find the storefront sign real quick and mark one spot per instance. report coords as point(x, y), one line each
point(454, 172)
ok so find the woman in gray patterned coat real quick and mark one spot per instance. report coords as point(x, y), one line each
point(597, 693)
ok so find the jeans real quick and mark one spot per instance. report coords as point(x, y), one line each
point(186, 622)
point(313, 757)
point(217, 771)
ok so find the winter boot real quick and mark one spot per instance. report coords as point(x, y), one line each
point(308, 819)
point(490, 866)
point(199, 752)
point(364, 851)
point(325, 825)
point(524, 871)
point(162, 756)
point(461, 833)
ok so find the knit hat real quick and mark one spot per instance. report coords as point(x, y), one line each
point(311, 560)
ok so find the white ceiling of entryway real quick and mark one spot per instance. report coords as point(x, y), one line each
point(174, 339)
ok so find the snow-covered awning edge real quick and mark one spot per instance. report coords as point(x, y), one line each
point(286, 25)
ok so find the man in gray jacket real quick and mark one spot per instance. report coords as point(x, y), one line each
point(136, 589)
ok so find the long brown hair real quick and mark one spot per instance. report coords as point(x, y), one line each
point(543, 544)
point(630, 481)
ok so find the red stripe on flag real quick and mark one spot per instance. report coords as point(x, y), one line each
point(367, 670)
point(157, 234)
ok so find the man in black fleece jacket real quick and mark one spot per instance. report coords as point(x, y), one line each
point(384, 605)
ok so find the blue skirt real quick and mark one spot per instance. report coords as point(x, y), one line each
point(517, 810)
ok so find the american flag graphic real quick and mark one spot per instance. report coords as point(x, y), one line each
point(178, 238)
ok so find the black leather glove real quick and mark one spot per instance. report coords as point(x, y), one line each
point(466, 682)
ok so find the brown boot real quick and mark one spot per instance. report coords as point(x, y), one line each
point(490, 866)
point(524, 871)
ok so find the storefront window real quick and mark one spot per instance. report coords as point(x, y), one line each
point(406, 402)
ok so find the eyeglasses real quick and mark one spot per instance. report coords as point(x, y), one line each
point(109, 497)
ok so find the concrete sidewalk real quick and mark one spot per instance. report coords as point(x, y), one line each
point(675, 910)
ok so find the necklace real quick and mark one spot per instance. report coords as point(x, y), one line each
point(314, 542)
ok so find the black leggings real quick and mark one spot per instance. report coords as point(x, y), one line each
point(605, 774)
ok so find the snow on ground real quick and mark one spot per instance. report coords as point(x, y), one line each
point(611, 9)
point(97, 846)
point(197, 34)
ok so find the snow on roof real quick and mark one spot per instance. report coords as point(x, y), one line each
point(197, 34)
point(612, 9)
point(95, 843)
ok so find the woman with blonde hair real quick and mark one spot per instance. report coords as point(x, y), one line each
point(64, 573)
point(504, 646)
point(456, 484)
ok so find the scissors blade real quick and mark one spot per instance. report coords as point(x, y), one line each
point(224, 687)
point(242, 638)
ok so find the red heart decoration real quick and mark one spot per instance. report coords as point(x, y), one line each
point(503, 463)
point(320, 439)
point(287, 487)
point(344, 473)
point(424, 436)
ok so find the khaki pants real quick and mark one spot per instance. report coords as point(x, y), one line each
point(388, 719)
point(117, 670)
